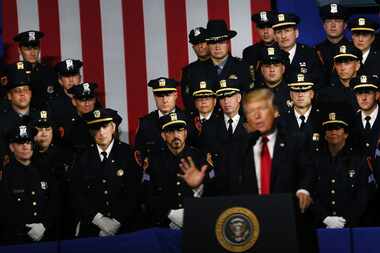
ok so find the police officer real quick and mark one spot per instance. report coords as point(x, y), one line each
point(50, 157)
point(366, 121)
point(334, 18)
point(197, 37)
point(347, 65)
point(263, 21)
point(204, 101)
point(44, 80)
point(363, 36)
point(221, 64)
point(68, 75)
point(217, 134)
point(303, 118)
point(72, 127)
point(302, 58)
point(176, 171)
point(165, 95)
point(19, 94)
point(106, 179)
point(28, 194)
point(340, 195)
point(273, 64)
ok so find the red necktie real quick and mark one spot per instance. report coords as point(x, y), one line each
point(266, 166)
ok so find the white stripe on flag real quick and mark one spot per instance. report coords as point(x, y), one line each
point(155, 43)
point(196, 15)
point(27, 14)
point(114, 62)
point(69, 25)
point(240, 21)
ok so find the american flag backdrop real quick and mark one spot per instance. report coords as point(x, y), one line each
point(125, 43)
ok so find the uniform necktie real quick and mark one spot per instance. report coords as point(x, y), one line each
point(104, 154)
point(266, 166)
point(218, 69)
point(203, 121)
point(230, 130)
point(302, 118)
point(367, 124)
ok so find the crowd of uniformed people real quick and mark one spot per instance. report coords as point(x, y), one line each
point(286, 118)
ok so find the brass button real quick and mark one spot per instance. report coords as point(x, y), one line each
point(367, 144)
point(34, 203)
point(332, 192)
point(35, 214)
point(333, 181)
point(18, 199)
point(333, 202)
point(105, 192)
point(33, 193)
point(334, 213)
point(179, 194)
point(107, 203)
point(180, 205)
point(104, 181)
point(178, 183)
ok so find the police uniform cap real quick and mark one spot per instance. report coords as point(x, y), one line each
point(217, 31)
point(172, 121)
point(263, 19)
point(333, 11)
point(19, 74)
point(203, 88)
point(101, 116)
point(227, 87)
point(282, 20)
point(335, 116)
point(273, 54)
point(83, 90)
point(29, 38)
point(347, 51)
point(43, 119)
point(163, 84)
point(300, 82)
point(364, 83)
point(363, 24)
point(22, 133)
point(197, 35)
point(68, 67)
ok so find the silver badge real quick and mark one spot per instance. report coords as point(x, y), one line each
point(197, 32)
point(44, 185)
point(333, 8)
point(86, 87)
point(69, 64)
point(32, 36)
point(263, 16)
point(23, 132)
point(361, 21)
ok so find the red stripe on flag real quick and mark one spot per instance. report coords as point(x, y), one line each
point(92, 47)
point(257, 6)
point(135, 63)
point(176, 34)
point(10, 29)
point(49, 24)
point(219, 9)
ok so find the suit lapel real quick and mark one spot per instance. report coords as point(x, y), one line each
point(279, 147)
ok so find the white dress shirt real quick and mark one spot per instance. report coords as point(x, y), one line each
point(365, 55)
point(373, 116)
point(108, 150)
point(235, 121)
point(307, 114)
point(292, 52)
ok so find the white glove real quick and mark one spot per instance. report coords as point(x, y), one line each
point(103, 233)
point(108, 225)
point(176, 216)
point(36, 231)
point(334, 222)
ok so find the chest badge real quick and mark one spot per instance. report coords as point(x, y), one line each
point(351, 173)
point(44, 185)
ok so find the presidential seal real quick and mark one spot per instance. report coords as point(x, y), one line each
point(237, 229)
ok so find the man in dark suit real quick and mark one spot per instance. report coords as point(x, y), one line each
point(302, 58)
point(217, 134)
point(197, 38)
point(363, 36)
point(334, 18)
point(106, 180)
point(269, 161)
point(263, 21)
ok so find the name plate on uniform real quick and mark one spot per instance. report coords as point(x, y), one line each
point(259, 224)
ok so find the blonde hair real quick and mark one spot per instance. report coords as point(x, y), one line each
point(258, 95)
